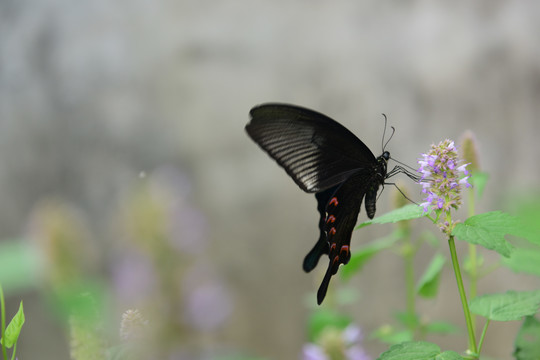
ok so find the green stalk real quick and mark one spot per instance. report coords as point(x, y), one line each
point(14, 352)
point(408, 252)
point(473, 286)
point(462, 295)
point(409, 280)
point(471, 208)
point(3, 314)
point(482, 336)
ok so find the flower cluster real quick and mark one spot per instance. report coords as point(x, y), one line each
point(442, 177)
point(133, 325)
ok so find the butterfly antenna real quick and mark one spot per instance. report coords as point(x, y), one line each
point(390, 138)
point(384, 132)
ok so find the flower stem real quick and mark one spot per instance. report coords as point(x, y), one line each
point(482, 336)
point(473, 275)
point(462, 295)
point(473, 258)
point(409, 281)
point(14, 352)
point(408, 252)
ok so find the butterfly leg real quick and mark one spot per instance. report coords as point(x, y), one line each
point(402, 193)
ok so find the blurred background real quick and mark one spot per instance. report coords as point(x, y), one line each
point(124, 165)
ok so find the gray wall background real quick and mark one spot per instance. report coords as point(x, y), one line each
point(93, 93)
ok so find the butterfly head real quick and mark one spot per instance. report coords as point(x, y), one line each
point(383, 160)
point(382, 163)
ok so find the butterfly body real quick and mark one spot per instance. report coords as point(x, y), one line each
point(324, 158)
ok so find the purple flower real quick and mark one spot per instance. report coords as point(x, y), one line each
point(313, 352)
point(431, 160)
point(134, 277)
point(440, 203)
point(462, 169)
point(208, 306)
point(442, 177)
point(356, 353)
point(465, 182)
point(425, 205)
point(335, 343)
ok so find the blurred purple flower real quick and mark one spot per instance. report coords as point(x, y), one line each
point(187, 226)
point(313, 352)
point(208, 302)
point(208, 306)
point(133, 277)
point(346, 345)
point(188, 230)
point(356, 352)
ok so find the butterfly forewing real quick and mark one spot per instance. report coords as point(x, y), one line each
point(316, 151)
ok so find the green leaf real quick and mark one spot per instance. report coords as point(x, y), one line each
point(19, 265)
point(85, 299)
point(512, 305)
point(429, 282)
point(407, 319)
point(471, 265)
point(488, 230)
point(430, 238)
point(14, 328)
point(361, 256)
point(479, 181)
point(442, 327)
point(527, 345)
point(529, 212)
point(346, 295)
point(524, 260)
point(406, 212)
point(322, 319)
point(449, 355)
point(389, 335)
point(418, 350)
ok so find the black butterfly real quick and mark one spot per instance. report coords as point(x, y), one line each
point(324, 158)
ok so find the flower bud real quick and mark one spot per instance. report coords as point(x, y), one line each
point(469, 151)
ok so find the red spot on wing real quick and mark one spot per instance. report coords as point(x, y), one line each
point(332, 231)
point(332, 247)
point(333, 201)
point(330, 219)
point(344, 248)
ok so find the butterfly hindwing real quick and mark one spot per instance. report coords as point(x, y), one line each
point(341, 215)
point(316, 151)
point(321, 246)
